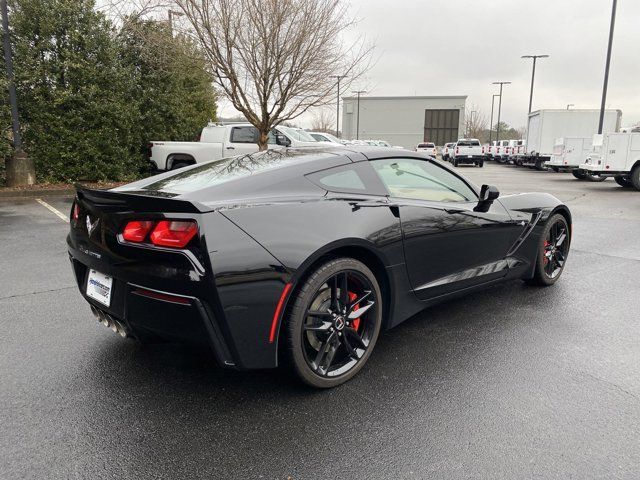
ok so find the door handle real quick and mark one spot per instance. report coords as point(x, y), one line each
point(231, 148)
point(454, 210)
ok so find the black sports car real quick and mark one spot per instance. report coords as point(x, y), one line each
point(308, 253)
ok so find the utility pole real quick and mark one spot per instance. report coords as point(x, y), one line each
point(493, 100)
point(20, 169)
point(470, 125)
point(500, 106)
point(606, 68)
point(338, 78)
point(358, 92)
point(533, 74)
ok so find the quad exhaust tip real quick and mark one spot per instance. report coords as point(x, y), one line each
point(108, 321)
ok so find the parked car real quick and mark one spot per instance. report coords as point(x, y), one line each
point(326, 137)
point(428, 147)
point(223, 256)
point(220, 141)
point(500, 151)
point(447, 150)
point(468, 151)
point(617, 157)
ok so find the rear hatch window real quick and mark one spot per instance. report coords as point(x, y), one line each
point(468, 143)
point(222, 171)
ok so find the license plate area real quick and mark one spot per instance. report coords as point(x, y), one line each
point(99, 287)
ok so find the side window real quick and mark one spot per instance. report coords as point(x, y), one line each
point(422, 180)
point(244, 135)
point(352, 178)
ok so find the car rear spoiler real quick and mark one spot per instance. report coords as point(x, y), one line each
point(137, 201)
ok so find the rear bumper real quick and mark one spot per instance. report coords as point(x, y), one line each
point(147, 312)
point(467, 159)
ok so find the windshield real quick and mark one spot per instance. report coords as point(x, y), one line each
point(297, 134)
point(332, 138)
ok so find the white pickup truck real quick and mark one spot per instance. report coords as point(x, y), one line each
point(618, 156)
point(468, 150)
point(220, 141)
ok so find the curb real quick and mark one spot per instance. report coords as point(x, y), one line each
point(12, 194)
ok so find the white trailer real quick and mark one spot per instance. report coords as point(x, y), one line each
point(545, 126)
point(618, 157)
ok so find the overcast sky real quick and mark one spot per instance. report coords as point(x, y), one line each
point(458, 47)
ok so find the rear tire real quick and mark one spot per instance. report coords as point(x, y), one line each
point(635, 177)
point(455, 162)
point(623, 181)
point(323, 350)
point(481, 164)
point(178, 165)
point(553, 249)
point(579, 174)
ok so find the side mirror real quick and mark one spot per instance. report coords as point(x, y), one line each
point(282, 140)
point(488, 193)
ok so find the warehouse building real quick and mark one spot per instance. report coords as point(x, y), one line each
point(404, 121)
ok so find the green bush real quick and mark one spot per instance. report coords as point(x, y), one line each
point(90, 98)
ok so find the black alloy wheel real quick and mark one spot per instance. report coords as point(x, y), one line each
point(553, 251)
point(334, 322)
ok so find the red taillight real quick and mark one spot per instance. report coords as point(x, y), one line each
point(457, 150)
point(75, 212)
point(483, 150)
point(174, 233)
point(137, 230)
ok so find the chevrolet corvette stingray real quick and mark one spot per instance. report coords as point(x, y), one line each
point(302, 254)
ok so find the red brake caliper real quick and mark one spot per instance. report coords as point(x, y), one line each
point(545, 260)
point(352, 297)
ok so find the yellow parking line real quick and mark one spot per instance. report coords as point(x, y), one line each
point(53, 210)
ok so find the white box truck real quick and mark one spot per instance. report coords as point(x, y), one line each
point(545, 126)
point(618, 157)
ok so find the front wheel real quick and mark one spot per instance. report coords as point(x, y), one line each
point(552, 253)
point(334, 323)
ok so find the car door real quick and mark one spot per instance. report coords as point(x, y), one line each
point(448, 245)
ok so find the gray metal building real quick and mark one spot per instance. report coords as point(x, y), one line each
point(404, 121)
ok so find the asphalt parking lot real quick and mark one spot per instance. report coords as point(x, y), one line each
point(512, 382)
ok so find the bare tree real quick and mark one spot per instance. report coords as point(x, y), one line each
point(475, 123)
point(324, 121)
point(274, 59)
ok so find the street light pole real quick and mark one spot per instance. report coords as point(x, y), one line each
point(499, 107)
point(171, 13)
point(358, 92)
point(20, 169)
point(533, 74)
point(606, 68)
point(493, 100)
point(338, 78)
point(470, 126)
